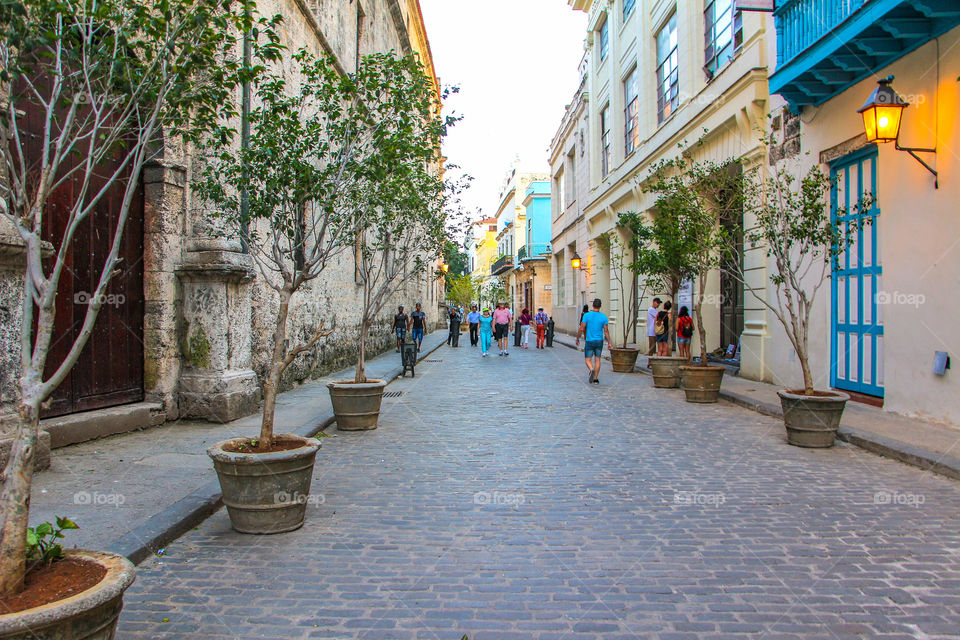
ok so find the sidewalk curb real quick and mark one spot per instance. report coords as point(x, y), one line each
point(943, 464)
point(166, 526)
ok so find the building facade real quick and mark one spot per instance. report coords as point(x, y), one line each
point(512, 232)
point(191, 339)
point(662, 74)
point(888, 309)
point(532, 273)
point(482, 250)
point(570, 176)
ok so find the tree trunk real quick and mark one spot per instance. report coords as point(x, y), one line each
point(15, 499)
point(272, 382)
point(674, 292)
point(701, 330)
point(361, 356)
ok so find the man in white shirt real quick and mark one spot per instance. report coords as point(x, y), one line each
point(651, 327)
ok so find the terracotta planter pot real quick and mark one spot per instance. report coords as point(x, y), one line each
point(666, 371)
point(701, 384)
point(88, 615)
point(265, 492)
point(812, 421)
point(624, 359)
point(356, 405)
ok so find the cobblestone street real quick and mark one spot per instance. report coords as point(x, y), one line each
point(506, 498)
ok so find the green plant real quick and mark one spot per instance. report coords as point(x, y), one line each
point(623, 244)
point(694, 196)
point(791, 224)
point(463, 290)
point(42, 546)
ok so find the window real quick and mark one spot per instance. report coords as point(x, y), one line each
point(723, 34)
point(628, 8)
point(668, 90)
point(561, 188)
point(631, 98)
point(604, 37)
point(571, 193)
point(605, 140)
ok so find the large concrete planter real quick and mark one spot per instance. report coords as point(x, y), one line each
point(812, 421)
point(666, 371)
point(624, 359)
point(88, 615)
point(356, 405)
point(701, 384)
point(265, 492)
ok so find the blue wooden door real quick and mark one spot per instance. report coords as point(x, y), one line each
point(857, 319)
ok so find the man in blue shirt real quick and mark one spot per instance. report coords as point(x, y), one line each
point(594, 327)
point(474, 319)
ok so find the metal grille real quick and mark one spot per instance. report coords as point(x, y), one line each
point(392, 394)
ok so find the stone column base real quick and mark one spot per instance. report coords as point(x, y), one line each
point(220, 396)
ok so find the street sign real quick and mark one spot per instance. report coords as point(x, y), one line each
point(548, 287)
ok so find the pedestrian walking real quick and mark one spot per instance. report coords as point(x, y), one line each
point(454, 324)
point(501, 327)
point(583, 312)
point(417, 324)
point(595, 328)
point(651, 326)
point(684, 332)
point(474, 319)
point(400, 327)
point(485, 322)
point(525, 320)
point(541, 320)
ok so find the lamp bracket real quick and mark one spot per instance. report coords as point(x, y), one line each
point(913, 152)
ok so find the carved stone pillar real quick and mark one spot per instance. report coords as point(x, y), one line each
point(217, 382)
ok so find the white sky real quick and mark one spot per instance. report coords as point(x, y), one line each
point(515, 62)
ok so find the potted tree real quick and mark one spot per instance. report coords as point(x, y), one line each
point(666, 258)
point(699, 193)
point(622, 244)
point(298, 196)
point(91, 90)
point(790, 222)
point(403, 229)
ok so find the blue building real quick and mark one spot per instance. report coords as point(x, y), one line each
point(532, 273)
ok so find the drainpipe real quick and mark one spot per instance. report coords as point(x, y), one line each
point(245, 136)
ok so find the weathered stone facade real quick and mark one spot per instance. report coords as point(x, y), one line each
point(208, 314)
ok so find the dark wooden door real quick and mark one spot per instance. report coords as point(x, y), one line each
point(109, 371)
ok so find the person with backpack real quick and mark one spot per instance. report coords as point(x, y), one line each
point(684, 332)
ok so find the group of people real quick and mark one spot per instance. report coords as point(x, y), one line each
point(487, 327)
point(658, 329)
point(415, 323)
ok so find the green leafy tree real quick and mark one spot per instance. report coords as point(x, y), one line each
point(408, 203)
point(695, 195)
point(791, 224)
point(109, 79)
point(456, 259)
point(623, 245)
point(463, 290)
point(493, 292)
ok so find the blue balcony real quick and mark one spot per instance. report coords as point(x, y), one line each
point(534, 251)
point(826, 46)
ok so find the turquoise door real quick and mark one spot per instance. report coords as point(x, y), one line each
point(856, 319)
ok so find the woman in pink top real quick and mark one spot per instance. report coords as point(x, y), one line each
point(501, 327)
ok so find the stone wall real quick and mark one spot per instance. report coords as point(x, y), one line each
point(208, 315)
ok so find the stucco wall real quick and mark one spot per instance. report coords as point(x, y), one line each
point(918, 232)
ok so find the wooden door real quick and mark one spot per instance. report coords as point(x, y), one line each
point(109, 371)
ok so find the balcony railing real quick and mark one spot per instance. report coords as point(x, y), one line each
point(800, 23)
point(824, 47)
point(504, 263)
point(533, 251)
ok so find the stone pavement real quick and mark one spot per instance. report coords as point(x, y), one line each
point(506, 498)
point(924, 444)
point(128, 491)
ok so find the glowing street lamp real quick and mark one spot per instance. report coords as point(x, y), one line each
point(882, 114)
point(575, 260)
